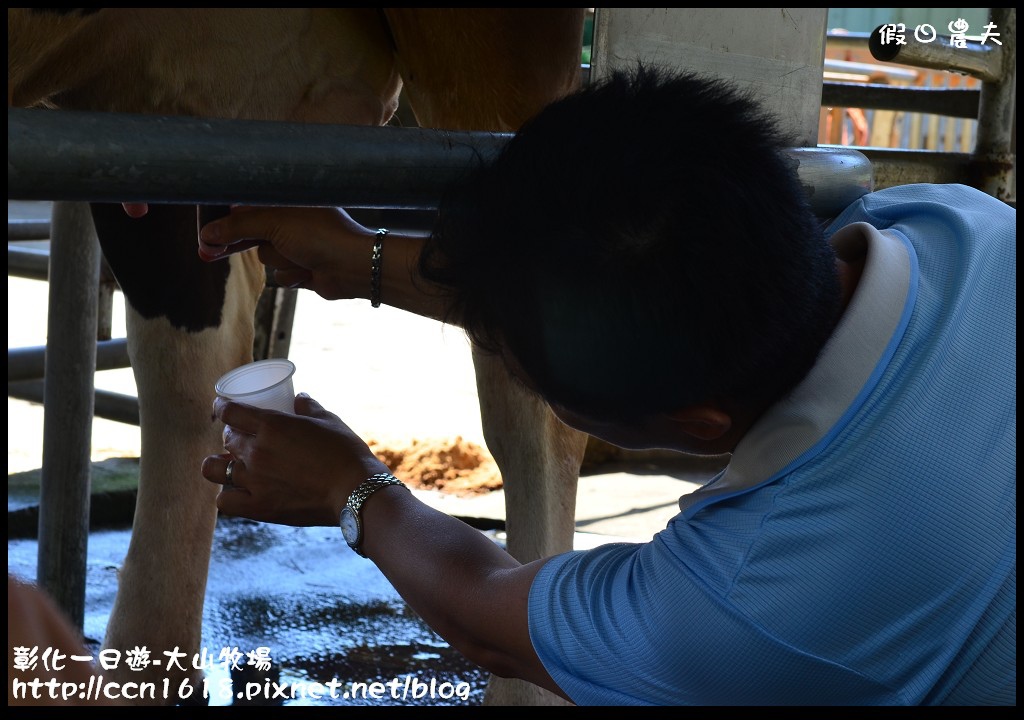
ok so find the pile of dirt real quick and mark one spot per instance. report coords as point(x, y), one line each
point(450, 465)
point(460, 467)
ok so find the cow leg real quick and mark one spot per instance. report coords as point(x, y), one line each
point(492, 69)
point(188, 323)
point(541, 452)
point(540, 458)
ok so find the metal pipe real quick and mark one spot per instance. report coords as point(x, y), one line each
point(995, 147)
point(110, 157)
point(984, 62)
point(32, 263)
point(70, 366)
point(870, 69)
point(28, 262)
point(847, 40)
point(833, 177)
point(936, 101)
point(904, 167)
point(19, 230)
point(29, 363)
point(107, 405)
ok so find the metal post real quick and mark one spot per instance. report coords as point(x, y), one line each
point(994, 148)
point(68, 408)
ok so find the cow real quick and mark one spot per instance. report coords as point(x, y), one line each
point(188, 322)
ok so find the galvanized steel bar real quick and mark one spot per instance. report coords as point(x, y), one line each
point(28, 363)
point(108, 405)
point(19, 230)
point(28, 262)
point(109, 157)
point(904, 167)
point(937, 101)
point(995, 148)
point(847, 40)
point(833, 177)
point(70, 367)
point(984, 62)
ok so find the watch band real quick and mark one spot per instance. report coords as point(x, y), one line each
point(355, 503)
point(368, 487)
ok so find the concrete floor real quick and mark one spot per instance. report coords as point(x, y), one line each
point(323, 611)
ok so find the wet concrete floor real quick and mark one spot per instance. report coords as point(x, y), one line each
point(322, 612)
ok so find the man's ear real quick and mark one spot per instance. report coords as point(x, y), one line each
point(703, 422)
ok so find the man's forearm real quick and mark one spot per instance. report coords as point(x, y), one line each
point(469, 590)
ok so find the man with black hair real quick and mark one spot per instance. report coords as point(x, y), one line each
point(642, 256)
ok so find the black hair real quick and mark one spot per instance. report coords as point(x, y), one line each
point(638, 246)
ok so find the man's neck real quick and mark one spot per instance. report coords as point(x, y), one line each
point(744, 417)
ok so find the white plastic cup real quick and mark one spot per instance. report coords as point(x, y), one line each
point(265, 384)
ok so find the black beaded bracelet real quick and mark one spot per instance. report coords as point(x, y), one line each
point(375, 268)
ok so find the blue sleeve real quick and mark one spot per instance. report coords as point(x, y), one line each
point(630, 624)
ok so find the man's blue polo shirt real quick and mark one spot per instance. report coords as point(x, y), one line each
point(860, 548)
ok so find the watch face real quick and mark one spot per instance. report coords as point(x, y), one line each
point(349, 522)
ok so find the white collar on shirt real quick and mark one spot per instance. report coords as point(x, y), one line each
point(794, 429)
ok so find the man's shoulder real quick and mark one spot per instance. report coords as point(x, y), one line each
point(953, 195)
point(928, 192)
point(950, 209)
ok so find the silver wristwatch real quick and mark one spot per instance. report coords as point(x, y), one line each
point(351, 521)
